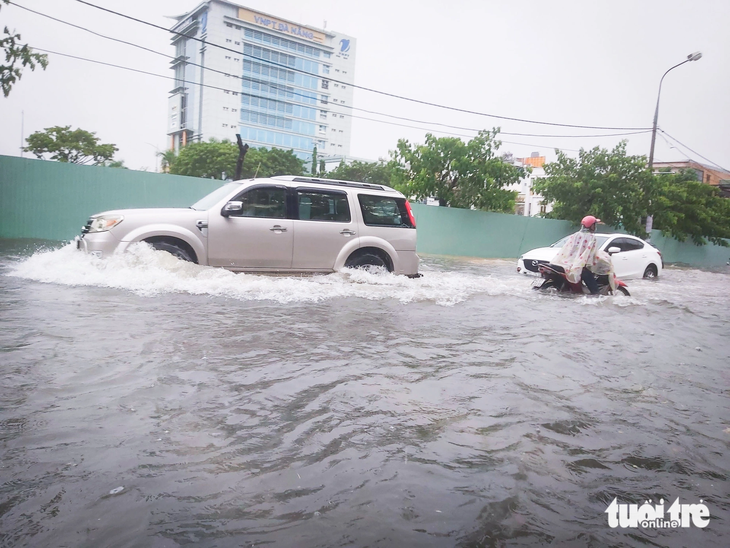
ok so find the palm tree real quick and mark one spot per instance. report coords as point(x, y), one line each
point(167, 158)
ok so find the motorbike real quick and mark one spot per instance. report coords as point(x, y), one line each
point(554, 278)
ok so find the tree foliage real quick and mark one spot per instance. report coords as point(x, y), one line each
point(166, 159)
point(684, 207)
point(612, 186)
point(458, 174)
point(76, 146)
point(620, 190)
point(378, 173)
point(17, 55)
point(217, 160)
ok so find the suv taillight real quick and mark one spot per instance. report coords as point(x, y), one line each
point(410, 214)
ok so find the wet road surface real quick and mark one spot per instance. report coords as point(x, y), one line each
point(149, 402)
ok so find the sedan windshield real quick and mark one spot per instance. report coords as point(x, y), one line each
point(214, 197)
point(600, 239)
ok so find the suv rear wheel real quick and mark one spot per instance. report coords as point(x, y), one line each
point(364, 260)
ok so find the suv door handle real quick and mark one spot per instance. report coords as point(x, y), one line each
point(278, 228)
point(347, 232)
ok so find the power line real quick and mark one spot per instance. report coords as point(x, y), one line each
point(347, 106)
point(692, 151)
point(395, 96)
point(261, 97)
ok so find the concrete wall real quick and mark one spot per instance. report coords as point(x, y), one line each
point(52, 201)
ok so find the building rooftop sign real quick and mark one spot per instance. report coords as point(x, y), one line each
point(280, 25)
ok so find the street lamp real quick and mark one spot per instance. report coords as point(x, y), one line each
point(696, 56)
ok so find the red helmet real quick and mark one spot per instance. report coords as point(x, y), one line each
point(589, 221)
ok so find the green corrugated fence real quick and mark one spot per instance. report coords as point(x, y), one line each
point(52, 201)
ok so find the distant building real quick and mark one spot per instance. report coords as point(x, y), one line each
point(709, 175)
point(277, 83)
point(529, 203)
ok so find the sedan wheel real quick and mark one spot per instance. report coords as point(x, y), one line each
point(650, 272)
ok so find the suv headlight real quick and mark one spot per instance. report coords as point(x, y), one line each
point(104, 222)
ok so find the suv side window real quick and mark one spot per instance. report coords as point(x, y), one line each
point(383, 210)
point(323, 205)
point(269, 202)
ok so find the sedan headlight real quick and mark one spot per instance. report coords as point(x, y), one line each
point(104, 222)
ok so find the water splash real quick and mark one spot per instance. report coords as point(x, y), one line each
point(148, 272)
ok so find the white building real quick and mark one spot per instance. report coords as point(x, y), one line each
point(277, 83)
point(530, 204)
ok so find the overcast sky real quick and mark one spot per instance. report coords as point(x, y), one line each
point(589, 63)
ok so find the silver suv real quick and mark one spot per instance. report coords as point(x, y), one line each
point(281, 224)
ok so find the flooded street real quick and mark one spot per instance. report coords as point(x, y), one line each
point(147, 402)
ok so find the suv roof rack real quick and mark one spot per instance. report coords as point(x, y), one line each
point(333, 182)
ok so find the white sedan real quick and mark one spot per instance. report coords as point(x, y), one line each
point(632, 256)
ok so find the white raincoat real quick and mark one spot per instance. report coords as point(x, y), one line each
point(578, 251)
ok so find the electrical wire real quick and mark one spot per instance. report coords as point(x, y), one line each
point(261, 97)
point(429, 123)
point(372, 90)
point(692, 151)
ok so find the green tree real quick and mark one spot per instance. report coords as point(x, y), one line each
point(684, 207)
point(166, 159)
point(17, 55)
point(458, 174)
point(377, 173)
point(263, 162)
point(117, 163)
point(76, 146)
point(612, 186)
point(213, 159)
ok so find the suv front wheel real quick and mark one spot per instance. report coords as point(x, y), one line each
point(173, 249)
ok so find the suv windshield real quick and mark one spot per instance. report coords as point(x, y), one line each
point(214, 197)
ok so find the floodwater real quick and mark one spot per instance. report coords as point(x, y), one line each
point(147, 402)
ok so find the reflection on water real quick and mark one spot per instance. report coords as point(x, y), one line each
point(148, 402)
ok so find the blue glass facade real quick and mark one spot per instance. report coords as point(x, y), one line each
point(278, 105)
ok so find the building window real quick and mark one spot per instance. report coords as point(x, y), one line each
point(344, 87)
point(228, 40)
point(228, 56)
point(237, 43)
point(229, 25)
point(225, 125)
point(225, 108)
point(334, 130)
point(322, 129)
point(342, 115)
point(326, 84)
point(334, 100)
point(323, 99)
point(234, 110)
point(325, 69)
point(337, 70)
point(323, 114)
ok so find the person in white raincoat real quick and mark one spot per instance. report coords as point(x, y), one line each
point(579, 255)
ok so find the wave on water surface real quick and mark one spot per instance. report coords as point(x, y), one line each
point(148, 272)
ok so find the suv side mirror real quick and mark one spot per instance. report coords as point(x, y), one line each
point(614, 249)
point(232, 207)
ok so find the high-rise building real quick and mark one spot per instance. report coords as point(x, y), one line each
point(277, 83)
